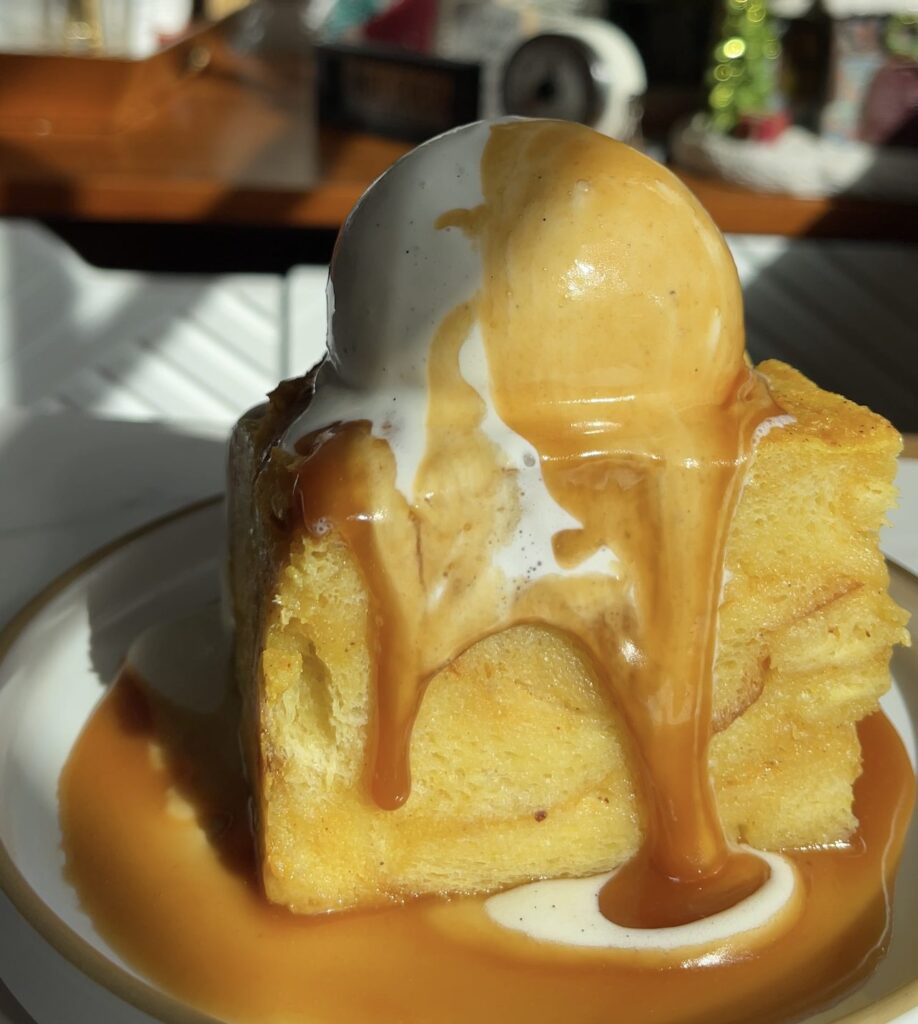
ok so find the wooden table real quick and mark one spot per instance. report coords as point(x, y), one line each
point(738, 210)
point(234, 145)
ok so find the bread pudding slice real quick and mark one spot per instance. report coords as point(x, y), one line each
point(521, 766)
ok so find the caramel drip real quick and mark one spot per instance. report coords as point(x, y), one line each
point(170, 882)
point(612, 323)
point(347, 483)
point(645, 429)
point(427, 567)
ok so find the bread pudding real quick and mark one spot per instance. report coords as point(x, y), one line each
point(423, 715)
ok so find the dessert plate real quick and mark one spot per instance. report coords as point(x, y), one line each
point(55, 661)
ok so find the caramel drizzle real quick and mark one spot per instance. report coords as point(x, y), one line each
point(347, 483)
point(644, 426)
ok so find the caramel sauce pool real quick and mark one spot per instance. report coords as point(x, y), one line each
point(154, 815)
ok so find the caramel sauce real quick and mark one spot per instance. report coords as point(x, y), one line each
point(351, 489)
point(612, 323)
point(154, 815)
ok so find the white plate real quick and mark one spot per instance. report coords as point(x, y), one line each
point(57, 657)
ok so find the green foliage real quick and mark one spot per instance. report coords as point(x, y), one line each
point(742, 77)
point(902, 35)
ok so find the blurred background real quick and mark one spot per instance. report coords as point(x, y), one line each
point(173, 174)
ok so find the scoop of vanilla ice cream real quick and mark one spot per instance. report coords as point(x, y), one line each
point(609, 294)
